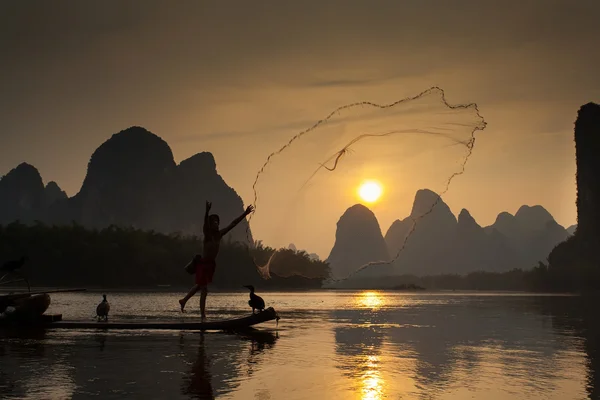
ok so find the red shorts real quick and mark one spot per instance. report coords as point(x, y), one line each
point(205, 269)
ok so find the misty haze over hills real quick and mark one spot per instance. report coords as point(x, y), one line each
point(132, 181)
point(442, 243)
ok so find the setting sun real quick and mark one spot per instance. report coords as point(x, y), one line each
point(370, 191)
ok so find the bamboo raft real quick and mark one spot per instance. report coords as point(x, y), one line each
point(55, 321)
point(32, 305)
point(230, 324)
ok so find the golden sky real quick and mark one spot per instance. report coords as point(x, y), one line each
point(239, 78)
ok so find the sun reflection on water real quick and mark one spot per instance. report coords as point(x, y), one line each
point(370, 299)
point(372, 384)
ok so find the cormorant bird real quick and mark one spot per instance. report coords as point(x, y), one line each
point(256, 302)
point(103, 309)
point(13, 265)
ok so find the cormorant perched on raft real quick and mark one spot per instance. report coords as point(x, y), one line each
point(12, 267)
point(256, 302)
point(103, 309)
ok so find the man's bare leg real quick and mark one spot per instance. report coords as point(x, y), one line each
point(203, 293)
point(188, 296)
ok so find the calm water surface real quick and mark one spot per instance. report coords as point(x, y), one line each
point(328, 345)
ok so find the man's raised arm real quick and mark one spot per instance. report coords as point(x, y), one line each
point(205, 227)
point(237, 220)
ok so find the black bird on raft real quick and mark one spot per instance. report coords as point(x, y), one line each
point(13, 267)
point(103, 309)
point(256, 302)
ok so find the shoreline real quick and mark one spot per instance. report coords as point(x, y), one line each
point(163, 289)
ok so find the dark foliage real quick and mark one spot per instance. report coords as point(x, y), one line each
point(514, 280)
point(115, 257)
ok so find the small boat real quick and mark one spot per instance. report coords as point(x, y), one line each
point(26, 308)
point(21, 309)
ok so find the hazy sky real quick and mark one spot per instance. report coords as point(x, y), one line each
point(237, 78)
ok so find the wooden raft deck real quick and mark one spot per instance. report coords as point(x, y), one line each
point(232, 324)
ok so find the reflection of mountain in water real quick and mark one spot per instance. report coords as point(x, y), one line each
point(451, 340)
point(361, 349)
point(137, 365)
point(578, 317)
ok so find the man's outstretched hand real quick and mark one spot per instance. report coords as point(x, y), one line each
point(208, 205)
point(249, 209)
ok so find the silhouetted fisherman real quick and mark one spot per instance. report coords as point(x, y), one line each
point(206, 265)
point(256, 302)
point(103, 309)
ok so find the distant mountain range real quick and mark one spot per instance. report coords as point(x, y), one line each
point(132, 181)
point(358, 240)
point(442, 243)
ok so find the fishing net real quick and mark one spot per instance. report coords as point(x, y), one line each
point(304, 187)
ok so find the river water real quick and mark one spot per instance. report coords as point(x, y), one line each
point(327, 345)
